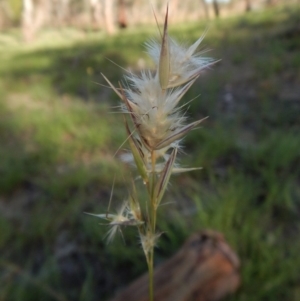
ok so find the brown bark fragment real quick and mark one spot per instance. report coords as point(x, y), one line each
point(204, 269)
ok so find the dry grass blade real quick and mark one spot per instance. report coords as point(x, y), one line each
point(178, 134)
point(134, 203)
point(131, 107)
point(137, 155)
point(112, 86)
point(164, 178)
point(183, 91)
point(164, 59)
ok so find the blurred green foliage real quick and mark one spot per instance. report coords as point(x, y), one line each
point(58, 139)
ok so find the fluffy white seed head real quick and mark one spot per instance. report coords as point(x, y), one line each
point(149, 241)
point(154, 110)
point(185, 64)
point(155, 124)
point(124, 217)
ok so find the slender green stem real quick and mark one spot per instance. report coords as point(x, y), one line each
point(150, 269)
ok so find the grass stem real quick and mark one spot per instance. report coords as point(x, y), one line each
point(151, 275)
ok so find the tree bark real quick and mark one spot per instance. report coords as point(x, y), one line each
point(28, 20)
point(96, 13)
point(271, 2)
point(122, 21)
point(204, 269)
point(62, 11)
point(248, 5)
point(109, 17)
point(216, 8)
point(205, 7)
point(33, 17)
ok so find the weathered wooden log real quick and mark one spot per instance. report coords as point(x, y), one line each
point(204, 269)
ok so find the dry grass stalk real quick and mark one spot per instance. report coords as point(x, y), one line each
point(155, 124)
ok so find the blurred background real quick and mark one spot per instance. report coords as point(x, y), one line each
point(59, 138)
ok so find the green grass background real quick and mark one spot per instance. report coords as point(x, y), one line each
point(58, 139)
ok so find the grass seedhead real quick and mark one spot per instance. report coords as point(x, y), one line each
point(157, 126)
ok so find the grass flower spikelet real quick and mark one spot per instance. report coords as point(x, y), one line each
point(155, 124)
point(185, 64)
point(154, 112)
point(149, 241)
